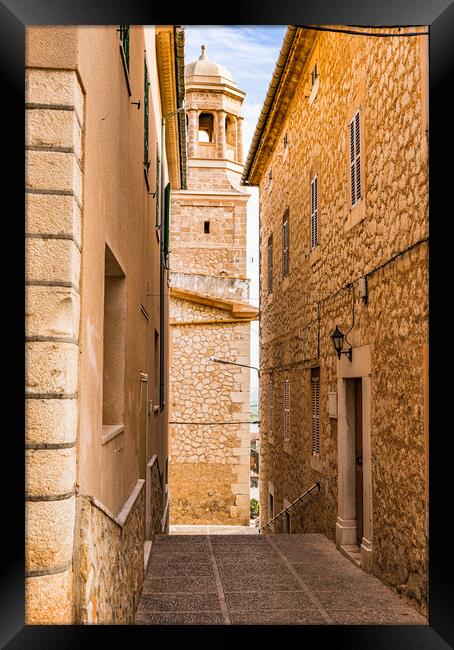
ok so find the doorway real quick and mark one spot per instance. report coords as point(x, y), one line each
point(354, 520)
point(359, 458)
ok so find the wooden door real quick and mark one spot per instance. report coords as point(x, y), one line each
point(359, 459)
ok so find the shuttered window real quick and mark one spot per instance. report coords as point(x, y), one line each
point(270, 407)
point(270, 264)
point(146, 88)
point(124, 40)
point(315, 381)
point(287, 409)
point(285, 244)
point(314, 212)
point(355, 159)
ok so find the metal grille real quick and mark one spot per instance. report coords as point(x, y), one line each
point(315, 380)
point(355, 159)
point(124, 40)
point(270, 407)
point(286, 409)
point(146, 86)
point(314, 212)
point(285, 244)
point(270, 264)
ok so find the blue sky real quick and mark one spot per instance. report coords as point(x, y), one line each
point(250, 53)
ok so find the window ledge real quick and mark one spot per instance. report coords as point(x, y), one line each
point(285, 282)
point(316, 463)
point(111, 431)
point(287, 447)
point(356, 215)
point(314, 255)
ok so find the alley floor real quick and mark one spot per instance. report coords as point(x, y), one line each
point(236, 579)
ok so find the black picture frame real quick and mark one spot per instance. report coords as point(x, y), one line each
point(439, 16)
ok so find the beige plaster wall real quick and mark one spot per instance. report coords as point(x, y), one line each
point(85, 188)
point(385, 239)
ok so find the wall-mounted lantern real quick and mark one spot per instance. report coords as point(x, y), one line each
point(338, 341)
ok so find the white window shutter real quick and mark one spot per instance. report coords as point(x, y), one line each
point(316, 415)
point(287, 409)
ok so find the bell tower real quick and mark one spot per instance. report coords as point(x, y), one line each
point(214, 118)
point(209, 409)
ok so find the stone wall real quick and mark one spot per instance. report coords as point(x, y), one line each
point(54, 161)
point(108, 560)
point(223, 250)
point(209, 469)
point(384, 239)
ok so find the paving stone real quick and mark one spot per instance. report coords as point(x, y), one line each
point(251, 570)
point(264, 600)
point(179, 602)
point(353, 599)
point(376, 617)
point(259, 583)
point(179, 618)
point(176, 569)
point(190, 584)
point(258, 586)
point(278, 617)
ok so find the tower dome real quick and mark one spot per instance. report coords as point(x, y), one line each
point(204, 69)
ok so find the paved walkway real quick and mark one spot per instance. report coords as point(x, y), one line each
point(262, 579)
point(186, 529)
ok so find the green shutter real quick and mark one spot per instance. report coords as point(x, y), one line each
point(166, 223)
point(157, 184)
point(146, 161)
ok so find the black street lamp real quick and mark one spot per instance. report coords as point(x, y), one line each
point(338, 341)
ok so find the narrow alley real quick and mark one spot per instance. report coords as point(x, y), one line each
point(237, 579)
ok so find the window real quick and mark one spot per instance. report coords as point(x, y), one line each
point(156, 369)
point(315, 381)
point(206, 227)
point(113, 341)
point(270, 506)
point(230, 131)
point(355, 159)
point(166, 224)
point(285, 141)
point(285, 244)
point(146, 86)
point(158, 171)
point(314, 212)
point(124, 43)
point(270, 406)
point(270, 264)
point(287, 410)
point(205, 127)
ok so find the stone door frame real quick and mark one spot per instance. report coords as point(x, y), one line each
point(359, 367)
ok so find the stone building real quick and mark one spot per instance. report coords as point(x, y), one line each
point(97, 185)
point(209, 310)
point(340, 154)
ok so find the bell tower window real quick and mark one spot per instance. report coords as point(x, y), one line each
point(205, 127)
point(230, 131)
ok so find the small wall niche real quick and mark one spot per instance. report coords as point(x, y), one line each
point(113, 341)
point(206, 227)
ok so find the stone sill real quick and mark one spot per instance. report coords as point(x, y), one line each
point(316, 463)
point(314, 255)
point(285, 282)
point(356, 215)
point(111, 431)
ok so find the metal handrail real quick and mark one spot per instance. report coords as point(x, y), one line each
point(316, 485)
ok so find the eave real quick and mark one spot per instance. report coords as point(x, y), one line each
point(239, 310)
